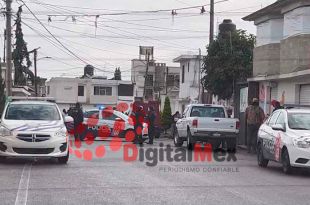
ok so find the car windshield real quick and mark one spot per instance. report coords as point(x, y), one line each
point(299, 121)
point(32, 112)
point(217, 112)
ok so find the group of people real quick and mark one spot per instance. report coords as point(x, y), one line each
point(138, 117)
point(255, 117)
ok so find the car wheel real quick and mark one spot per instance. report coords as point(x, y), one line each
point(286, 164)
point(176, 139)
point(63, 160)
point(262, 162)
point(231, 145)
point(190, 144)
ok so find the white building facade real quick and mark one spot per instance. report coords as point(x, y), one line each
point(90, 93)
point(190, 75)
point(281, 56)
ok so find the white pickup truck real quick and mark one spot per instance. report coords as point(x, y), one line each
point(207, 124)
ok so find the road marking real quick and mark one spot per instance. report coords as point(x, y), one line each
point(22, 193)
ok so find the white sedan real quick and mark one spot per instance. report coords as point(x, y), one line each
point(95, 118)
point(34, 128)
point(285, 138)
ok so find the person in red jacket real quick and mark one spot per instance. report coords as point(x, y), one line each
point(137, 117)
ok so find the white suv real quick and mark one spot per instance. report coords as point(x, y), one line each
point(34, 128)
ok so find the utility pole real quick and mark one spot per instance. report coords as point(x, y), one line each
point(35, 72)
point(211, 21)
point(199, 78)
point(8, 79)
point(211, 38)
point(4, 48)
point(35, 55)
point(146, 73)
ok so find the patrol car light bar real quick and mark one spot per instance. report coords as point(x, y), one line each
point(17, 98)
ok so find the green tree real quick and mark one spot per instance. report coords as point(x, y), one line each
point(2, 94)
point(166, 115)
point(21, 54)
point(229, 60)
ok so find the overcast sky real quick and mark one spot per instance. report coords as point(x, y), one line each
point(117, 37)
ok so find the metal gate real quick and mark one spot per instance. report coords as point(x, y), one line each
point(304, 94)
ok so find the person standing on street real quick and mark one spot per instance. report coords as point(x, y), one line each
point(254, 116)
point(151, 124)
point(138, 124)
point(77, 115)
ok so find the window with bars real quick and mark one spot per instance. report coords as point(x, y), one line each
point(81, 90)
point(99, 90)
point(149, 80)
point(173, 80)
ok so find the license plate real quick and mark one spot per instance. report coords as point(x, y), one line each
point(216, 135)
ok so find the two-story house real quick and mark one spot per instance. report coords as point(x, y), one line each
point(282, 53)
point(89, 92)
point(189, 79)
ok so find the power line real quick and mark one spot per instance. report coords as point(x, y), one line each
point(76, 56)
point(53, 35)
point(179, 46)
point(130, 12)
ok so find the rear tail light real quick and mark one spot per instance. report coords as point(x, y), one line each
point(237, 125)
point(195, 123)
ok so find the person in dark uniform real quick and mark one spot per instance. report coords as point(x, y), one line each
point(151, 124)
point(77, 114)
point(138, 124)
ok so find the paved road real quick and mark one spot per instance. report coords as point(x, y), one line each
point(110, 180)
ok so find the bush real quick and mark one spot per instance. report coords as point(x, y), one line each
point(166, 118)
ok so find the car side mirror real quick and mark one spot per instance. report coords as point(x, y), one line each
point(278, 127)
point(68, 119)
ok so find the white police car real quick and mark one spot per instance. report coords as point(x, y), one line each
point(33, 128)
point(285, 138)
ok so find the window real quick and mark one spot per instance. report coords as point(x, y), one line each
point(149, 80)
point(299, 121)
point(214, 112)
point(188, 67)
point(273, 118)
point(48, 90)
point(32, 112)
point(81, 90)
point(92, 114)
point(281, 119)
point(108, 115)
point(170, 80)
point(98, 90)
point(183, 73)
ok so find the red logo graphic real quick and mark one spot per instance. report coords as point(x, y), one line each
point(104, 132)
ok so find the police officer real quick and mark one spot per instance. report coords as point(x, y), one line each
point(151, 124)
point(77, 114)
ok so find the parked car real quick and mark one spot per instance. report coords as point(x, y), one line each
point(108, 118)
point(285, 138)
point(33, 128)
point(207, 123)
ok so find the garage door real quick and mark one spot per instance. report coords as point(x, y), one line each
point(304, 98)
